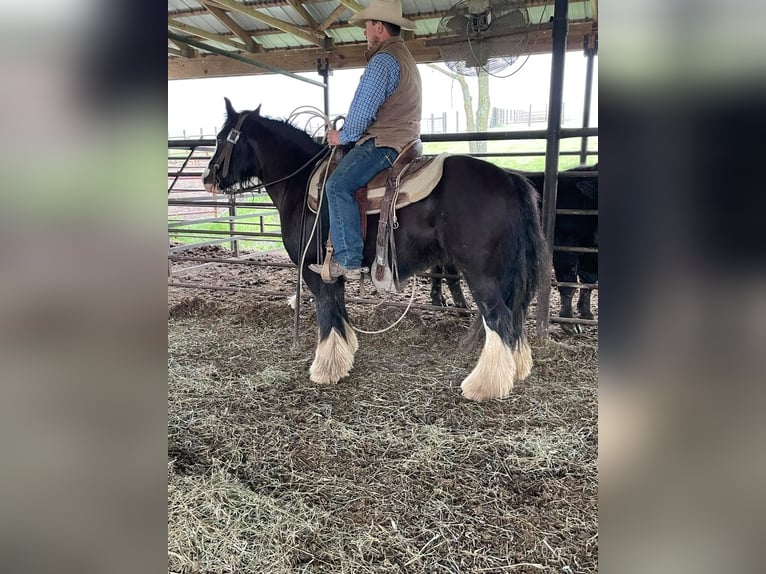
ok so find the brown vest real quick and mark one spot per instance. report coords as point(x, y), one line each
point(398, 119)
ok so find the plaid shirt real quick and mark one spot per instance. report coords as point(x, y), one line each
point(379, 81)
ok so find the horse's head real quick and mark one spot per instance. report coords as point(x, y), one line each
point(232, 163)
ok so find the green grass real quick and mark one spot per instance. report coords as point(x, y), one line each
point(523, 163)
point(270, 224)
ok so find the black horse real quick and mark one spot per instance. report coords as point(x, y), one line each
point(478, 218)
point(569, 231)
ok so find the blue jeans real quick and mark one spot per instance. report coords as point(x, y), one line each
point(355, 169)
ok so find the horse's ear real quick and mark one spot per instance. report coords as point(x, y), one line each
point(257, 111)
point(229, 108)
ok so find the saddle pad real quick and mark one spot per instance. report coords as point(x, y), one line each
point(412, 187)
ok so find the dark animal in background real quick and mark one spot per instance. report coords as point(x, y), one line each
point(574, 231)
point(482, 220)
point(453, 283)
point(569, 231)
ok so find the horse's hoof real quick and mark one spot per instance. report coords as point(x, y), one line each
point(479, 396)
point(523, 359)
point(474, 389)
point(334, 357)
point(322, 379)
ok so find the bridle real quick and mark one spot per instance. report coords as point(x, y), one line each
point(231, 140)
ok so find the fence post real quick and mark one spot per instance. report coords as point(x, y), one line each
point(590, 52)
point(233, 213)
point(550, 183)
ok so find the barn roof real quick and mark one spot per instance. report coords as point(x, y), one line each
point(209, 38)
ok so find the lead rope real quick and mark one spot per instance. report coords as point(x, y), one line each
point(399, 320)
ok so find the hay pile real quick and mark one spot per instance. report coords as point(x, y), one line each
point(388, 471)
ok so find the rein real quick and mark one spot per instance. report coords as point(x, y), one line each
point(317, 156)
point(233, 137)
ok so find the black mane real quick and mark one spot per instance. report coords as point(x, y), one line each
point(283, 131)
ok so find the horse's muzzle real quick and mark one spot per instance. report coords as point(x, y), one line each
point(209, 182)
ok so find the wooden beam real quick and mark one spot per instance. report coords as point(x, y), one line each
point(204, 34)
point(244, 58)
point(355, 6)
point(347, 56)
point(332, 17)
point(308, 35)
point(184, 49)
point(298, 7)
point(352, 4)
point(227, 21)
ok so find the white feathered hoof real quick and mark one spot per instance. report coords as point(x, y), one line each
point(493, 375)
point(333, 358)
point(523, 358)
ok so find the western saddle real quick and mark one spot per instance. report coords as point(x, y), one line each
point(409, 161)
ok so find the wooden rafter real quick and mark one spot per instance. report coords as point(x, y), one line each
point(309, 35)
point(204, 34)
point(244, 35)
point(229, 22)
point(344, 57)
point(184, 49)
point(298, 7)
point(332, 17)
point(355, 6)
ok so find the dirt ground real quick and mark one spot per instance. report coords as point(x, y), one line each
point(389, 470)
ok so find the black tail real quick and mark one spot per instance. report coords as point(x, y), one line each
point(523, 252)
point(521, 281)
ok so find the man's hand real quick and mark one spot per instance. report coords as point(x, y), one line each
point(333, 137)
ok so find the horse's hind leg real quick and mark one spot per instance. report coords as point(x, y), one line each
point(506, 355)
point(454, 287)
point(337, 343)
point(565, 268)
point(588, 273)
point(437, 298)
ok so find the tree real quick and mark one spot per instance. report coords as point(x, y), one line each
point(478, 120)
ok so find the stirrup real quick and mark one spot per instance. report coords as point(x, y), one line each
point(325, 273)
point(383, 278)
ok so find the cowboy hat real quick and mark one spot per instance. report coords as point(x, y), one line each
point(384, 10)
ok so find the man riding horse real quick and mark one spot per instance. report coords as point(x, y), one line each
point(383, 118)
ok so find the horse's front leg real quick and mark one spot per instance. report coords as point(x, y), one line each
point(337, 342)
